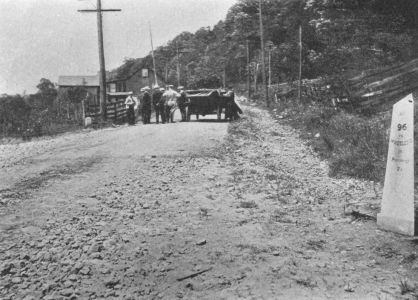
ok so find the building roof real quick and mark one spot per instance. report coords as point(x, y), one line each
point(78, 80)
point(120, 93)
point(113, 77)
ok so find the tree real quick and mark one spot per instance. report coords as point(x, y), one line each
point(341, 38)
point(14, 114)
point(45, 86)
point(46, 94)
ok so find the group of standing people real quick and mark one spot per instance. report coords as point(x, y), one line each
point(164, 101)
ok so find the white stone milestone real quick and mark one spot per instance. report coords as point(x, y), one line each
point(397, 211)
point(87, 121)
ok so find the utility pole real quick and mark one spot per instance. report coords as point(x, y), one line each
point(178, 64)
point(269, 81)
point(263, 67)
point(255, 76)
point(102, 80)
point(270, 48)
point(179, 51)
point(224, 77)
point(300, 65)
point(152, 54)
point(248, 70)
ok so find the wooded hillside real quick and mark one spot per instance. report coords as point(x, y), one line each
point(342, 39)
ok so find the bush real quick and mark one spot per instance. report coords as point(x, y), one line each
point(359, 146)
point(210, 82)
point(317, 117)
point(14, 115)
point(355, 145)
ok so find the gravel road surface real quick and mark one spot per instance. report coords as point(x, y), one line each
point(205, 209)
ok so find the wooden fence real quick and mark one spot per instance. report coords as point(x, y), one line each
point(315, 90)
point(380, 87)
point(115, 111)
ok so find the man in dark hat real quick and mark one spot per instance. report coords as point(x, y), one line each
point(130, 105)
point(146, 106)
point(158, 104)
point(182, 103)
point(232, 108)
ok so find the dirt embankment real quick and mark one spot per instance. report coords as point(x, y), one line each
point(252, 217)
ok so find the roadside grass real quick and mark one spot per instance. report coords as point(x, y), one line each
point(354, 144)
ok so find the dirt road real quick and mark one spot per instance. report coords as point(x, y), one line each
point(189, 210)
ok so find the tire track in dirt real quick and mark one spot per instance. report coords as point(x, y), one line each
point(20, 191)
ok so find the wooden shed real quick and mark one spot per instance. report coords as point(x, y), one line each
point(134, 82)
point(89, 83)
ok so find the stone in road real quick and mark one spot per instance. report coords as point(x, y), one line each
point(188, 211)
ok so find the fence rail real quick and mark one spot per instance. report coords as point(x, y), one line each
point(115, 111)
point(312, 90)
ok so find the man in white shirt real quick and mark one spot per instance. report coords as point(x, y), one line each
point(170, 103)
point(130, 106)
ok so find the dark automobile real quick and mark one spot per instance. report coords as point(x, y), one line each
point(208, 101)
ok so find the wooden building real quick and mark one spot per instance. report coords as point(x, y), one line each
point(134, 82)
point(89, 83)
point(118, 87)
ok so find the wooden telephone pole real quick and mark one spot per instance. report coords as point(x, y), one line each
point(300, 66)
point(180, 50)
point(178, 64)
point(153, 58)
point(248, 69)
point(263, 62)
point(102, 80)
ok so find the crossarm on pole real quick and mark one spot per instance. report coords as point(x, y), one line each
point(95, 10)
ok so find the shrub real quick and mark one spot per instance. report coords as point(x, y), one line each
point(317, 117)
point(359, 146)
point(355, 145)
point(14, 115)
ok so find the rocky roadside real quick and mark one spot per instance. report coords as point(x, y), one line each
point(256, 218)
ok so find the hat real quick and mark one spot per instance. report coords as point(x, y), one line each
point(170, 86)
point(180, 87)
point(162, 89)
point(146, 88)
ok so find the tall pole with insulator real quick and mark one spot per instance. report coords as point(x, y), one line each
point(248, 69)
point(153, 57)
point(300, 65)
point(102, 77)
point(263, 62)
point(178, 64)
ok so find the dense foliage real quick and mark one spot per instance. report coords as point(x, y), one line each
point(340, 37)
point(45, 111)
point(14, 114)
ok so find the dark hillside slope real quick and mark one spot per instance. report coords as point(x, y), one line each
point(340, 39)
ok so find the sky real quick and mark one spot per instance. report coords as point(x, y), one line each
point(48, 38)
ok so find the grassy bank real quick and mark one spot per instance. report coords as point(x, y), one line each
point(354, 144)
